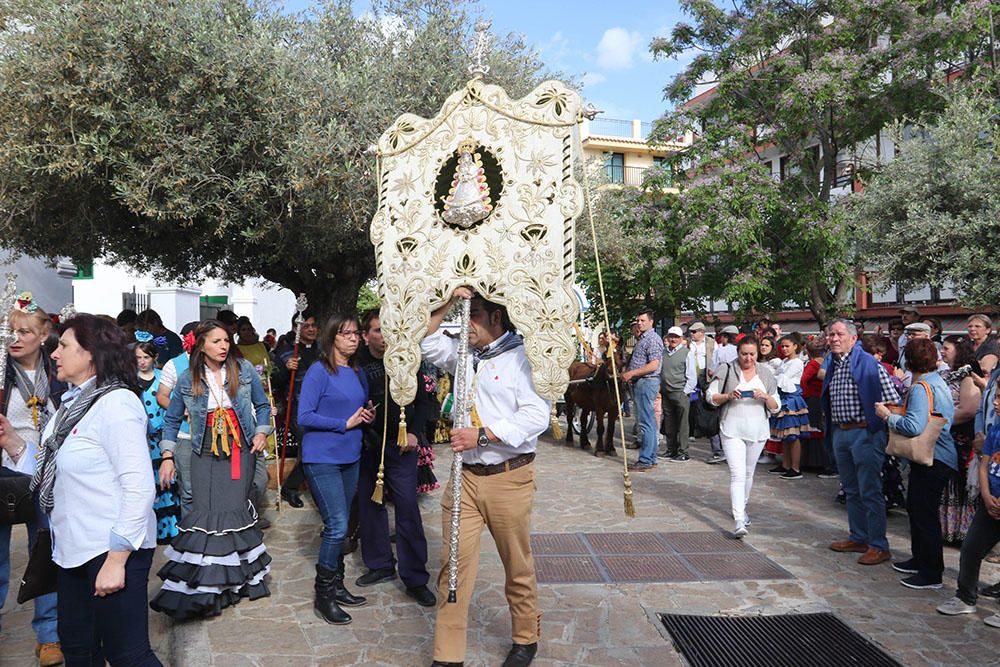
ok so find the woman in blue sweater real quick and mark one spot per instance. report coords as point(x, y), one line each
point(333, 409)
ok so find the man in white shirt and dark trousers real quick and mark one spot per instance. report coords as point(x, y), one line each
point(724, 353)
point(498, 477)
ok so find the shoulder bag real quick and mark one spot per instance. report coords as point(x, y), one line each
point(919, 448)
point(16, 504)
point(42, 573)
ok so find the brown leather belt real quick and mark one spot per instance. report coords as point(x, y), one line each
point(847, 426)
point(483, 470)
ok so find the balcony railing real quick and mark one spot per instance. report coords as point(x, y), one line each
point(611, 127)
point(620, 175)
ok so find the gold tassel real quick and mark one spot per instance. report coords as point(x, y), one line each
point(377, 494)
point(33, 403)
point(401, 438)
point(556, 430)
point(629, 503)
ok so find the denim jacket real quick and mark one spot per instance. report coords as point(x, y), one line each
point(253, 411)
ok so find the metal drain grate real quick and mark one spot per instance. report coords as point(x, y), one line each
point(581, 558)
point(789, 640)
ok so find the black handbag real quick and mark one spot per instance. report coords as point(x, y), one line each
point(42, 573)
point(16, 504)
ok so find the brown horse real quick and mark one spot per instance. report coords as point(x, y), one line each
point(592, 389)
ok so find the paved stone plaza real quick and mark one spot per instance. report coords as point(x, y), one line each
point(582, 624)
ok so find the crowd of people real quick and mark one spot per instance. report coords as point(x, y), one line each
point(134, 436)
point(851, 405)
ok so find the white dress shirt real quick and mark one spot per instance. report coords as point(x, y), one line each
point(504, 396)
point(104, 483)
point(723, 355)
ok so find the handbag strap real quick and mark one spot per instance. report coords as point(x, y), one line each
point(930, 395)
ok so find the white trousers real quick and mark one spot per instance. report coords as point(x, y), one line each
point(741, 456)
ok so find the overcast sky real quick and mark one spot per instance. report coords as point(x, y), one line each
point(604, 44)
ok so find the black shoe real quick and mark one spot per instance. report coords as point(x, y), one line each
point(422, 595)
point(777, 470)
point(679, 458)
point(263, 523)
point(829, 473)
point(292, 498)
point(521, 655)
point(905, 566)
point(791, 474)
point(344, 596)
point(372, 577)
point(991, 591)
point(920, 582)
point(438, 663)
point(325, 605)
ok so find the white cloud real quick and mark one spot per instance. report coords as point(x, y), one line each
point(593, 79)
point(617, 48)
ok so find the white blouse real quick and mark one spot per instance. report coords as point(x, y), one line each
point(216, 392)
point(104, 486)
point(745, 418)
point(789, 374)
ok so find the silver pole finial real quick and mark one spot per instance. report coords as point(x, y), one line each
point(478, 67)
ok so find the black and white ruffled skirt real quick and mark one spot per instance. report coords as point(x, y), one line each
point(218, 556)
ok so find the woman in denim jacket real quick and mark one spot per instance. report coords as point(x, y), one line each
point(923, 497)
point(219, 556)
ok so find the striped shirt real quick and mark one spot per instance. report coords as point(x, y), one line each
point(845, 399)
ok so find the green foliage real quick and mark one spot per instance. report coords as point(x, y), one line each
point(813, 80)
point(933, 213)
point(367, 298)
point(218, 137)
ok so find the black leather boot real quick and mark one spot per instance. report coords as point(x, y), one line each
point(344, 596)
point(325, 605)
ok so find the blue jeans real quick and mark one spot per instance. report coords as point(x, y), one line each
point(332, 486)
point(45, 621)
point(860, 457)
point(646, 390)
point(113, 628)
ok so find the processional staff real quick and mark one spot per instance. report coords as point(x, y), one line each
point(7, 337)
point(301, 304)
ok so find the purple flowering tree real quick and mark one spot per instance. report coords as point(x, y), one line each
point(812, 83)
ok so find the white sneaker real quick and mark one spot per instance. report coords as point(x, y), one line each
point(993, 621)
point(955, 606)
point(741, 530)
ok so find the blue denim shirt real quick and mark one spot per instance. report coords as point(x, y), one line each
point(253, 411)
point(917, 415)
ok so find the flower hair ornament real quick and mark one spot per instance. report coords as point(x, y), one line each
point(160, 341)
point(26, 303)
point(143, 336)
point(188, 341)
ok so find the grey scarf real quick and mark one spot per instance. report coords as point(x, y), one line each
point(507, 343)
point(66, 418)
point(39, 390)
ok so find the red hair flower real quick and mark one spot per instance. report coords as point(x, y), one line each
point(188, 341)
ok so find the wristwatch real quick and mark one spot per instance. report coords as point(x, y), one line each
point(483, 440)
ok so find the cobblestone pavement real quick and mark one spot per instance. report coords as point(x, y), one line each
point(582, 624)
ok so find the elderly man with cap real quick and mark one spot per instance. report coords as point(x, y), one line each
point(914, 331)
point(909, 315)
point(677, 381)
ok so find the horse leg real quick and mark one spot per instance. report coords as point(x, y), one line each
point(585, 411)
point(570, 411)
point(599, 418)
point(609, 446)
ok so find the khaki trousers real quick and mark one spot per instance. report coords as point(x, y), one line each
point(501, 503)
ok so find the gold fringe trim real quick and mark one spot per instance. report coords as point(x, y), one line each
point(401, 438)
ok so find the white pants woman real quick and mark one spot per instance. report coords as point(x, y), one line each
point(748, 395)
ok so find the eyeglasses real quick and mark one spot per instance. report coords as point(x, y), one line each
point(352, 334)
